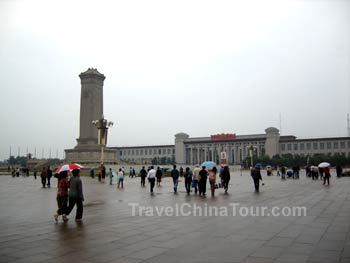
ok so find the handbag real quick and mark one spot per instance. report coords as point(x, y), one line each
point(193, 184)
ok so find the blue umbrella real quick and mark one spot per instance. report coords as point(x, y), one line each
point(208, 163)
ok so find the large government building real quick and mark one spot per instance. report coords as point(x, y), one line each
point(233, 148)
point(221, 148)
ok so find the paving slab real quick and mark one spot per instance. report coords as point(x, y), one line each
point(110, 232)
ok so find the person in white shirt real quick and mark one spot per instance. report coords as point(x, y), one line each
point(120, 178)
point(151, 175)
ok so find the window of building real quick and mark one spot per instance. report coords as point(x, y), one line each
point(128, 152)
point(137, 152)
point(335, 145)
point(348, 144)
point(164, 151)
point(168, 151)
point(342, 145)
point(295, 146)
point(321, 145)
point(121, 153)
point(173, 151)
point(302, 146)
point(146, 151)
point(308, 146)
point(283, 147)
point(315, 145)
point(154, 151)
point(329, 145)
point(289, 147)
point(141, 152)
point(132, 152)
point(159, 151)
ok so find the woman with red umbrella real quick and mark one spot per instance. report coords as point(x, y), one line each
point(62, 195)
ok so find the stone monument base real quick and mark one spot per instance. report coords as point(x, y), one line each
point(90, 155)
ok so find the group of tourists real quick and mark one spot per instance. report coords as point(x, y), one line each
point(315, 172)
point(196, 179)
point(290, 173)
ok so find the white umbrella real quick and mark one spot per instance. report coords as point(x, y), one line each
point(324, 164)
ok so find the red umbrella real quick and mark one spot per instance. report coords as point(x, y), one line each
point(68, 167)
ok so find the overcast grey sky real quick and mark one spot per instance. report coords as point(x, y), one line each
point(200, 67)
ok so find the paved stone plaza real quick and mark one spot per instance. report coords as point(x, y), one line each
point(109, 232)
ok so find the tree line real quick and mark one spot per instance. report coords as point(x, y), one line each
point(290, 160)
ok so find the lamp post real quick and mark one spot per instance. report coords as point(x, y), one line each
point(102, 129)
point(251, 154)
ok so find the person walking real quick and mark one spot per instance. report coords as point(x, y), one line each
point(283, 173)
point(110, 176)
point(203, 181)
point(159, 175)
point(99, 173)
point(92, 172)
point(225, 177)
point(175, 175)
point(188, 179)
point(103, 173)
point(151, 175)
point(34, 173)
point(212, 180)
point(120, 178)
point(181, 172)
point(49, 175)
point(256, 175)
point(62, 195)
point(143, 174)
point(338, 170)
point(75, 195)
point(196, 177)
point(327, 175)
point(320, 172)
point(43, 176)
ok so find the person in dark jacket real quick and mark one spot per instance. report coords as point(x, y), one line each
point(76, 195)
point(338, 170)
point(159, 175)
point(175, 175)
point(188, 179)
point(143, 174)
point(43, 176)
point(49, 175)
point(326, 176)
point(256, 175)
point(203, 181)
point(225, 177)
point(103, 175)
point(283, 173)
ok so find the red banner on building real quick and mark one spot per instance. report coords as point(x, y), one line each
point(223, 136)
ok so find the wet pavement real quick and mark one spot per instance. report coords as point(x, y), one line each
point(111, 233)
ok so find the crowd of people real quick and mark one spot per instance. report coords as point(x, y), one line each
point(70, 191)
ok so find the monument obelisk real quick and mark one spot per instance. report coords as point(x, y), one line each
point(91, 108)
